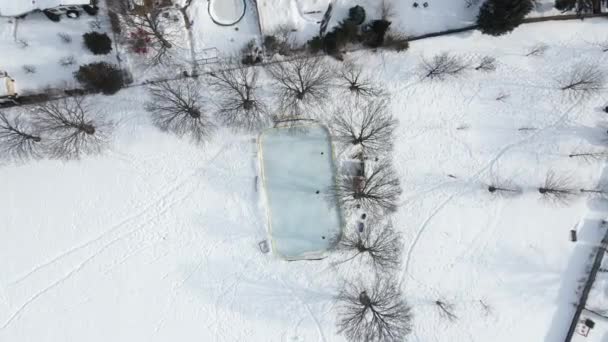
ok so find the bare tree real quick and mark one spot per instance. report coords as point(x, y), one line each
point(584, 80)
point(601, 192)
point(238, 103)
point(589, 156)
point(387, 10)
point(487, 63)
point(18, 139)
point(557, 189)
point(443, 65)
point(446, 310)
point(471, 3)
point(302, 83)
point(378, 245)
point(370, 126)
point(72, 128)
point(150, 29)
point(502, 188)
point(373, 315)
point(537, 50)
point(178, 107)
point(353, 80)
point(376, 190)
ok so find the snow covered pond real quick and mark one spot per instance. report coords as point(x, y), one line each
point(297, 169)
point(227, 12)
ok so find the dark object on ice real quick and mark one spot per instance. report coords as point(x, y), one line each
point(606, 109)
point(322, 153)
point(363, 216)
point(360, 226)
point(317, 191)
point(425, 5)
point(323, 237)
point(415, 4)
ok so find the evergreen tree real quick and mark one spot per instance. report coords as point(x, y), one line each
point(497, 17)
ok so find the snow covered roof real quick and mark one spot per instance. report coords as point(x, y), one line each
point(591, 328)
point(14, 8)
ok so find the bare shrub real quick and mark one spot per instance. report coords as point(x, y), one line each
point(352, 79)
point(18, 139)
point(71, 128)
point(387, 10)
point(446, 310)
point(584, 80)
point(178, 107)
point(301, 84)
point(281, 41)
point(67, 61)
point(379, 313)
point(376, 190)
point(237, 93)
point(487, 64)
point(443, 65)
point(29, 69)
point(23, 44)
point(589, 156)
point(502, 188)
point(370, 126)
point(556, 189)
point(64, 37)
point(378, 246)
point(537, 50)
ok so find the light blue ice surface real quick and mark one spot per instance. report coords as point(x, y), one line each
point(296, 163)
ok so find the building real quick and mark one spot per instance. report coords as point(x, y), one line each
point(17, 8)
point(8, 88)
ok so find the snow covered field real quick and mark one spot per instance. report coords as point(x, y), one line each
point(298, 170)
point(156, 239)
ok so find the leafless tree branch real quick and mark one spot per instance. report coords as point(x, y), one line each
point(559, 190)
point(353, 80)
point(301, 84)
point(584, 80)
point(369, 125)
point(373, 315)
point(18, 139)
point(376, 190)
point(378, 246)
point(72, 128)
point(177, 107)
point(443, 65)
point(238, 102)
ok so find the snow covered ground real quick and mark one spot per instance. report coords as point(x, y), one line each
point(157, 238)
point(305, 15)
point(34, 41)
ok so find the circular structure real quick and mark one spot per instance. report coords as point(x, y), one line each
point(227, 12)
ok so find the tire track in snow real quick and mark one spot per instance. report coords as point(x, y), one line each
point(75, 270)
point(307, 307)
point(160, 212)
point(147, 207)
point(472, 179)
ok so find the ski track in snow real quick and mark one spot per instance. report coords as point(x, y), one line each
point(146, 208)
point(472, 179)
point(160, 204)
point(307, 307)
